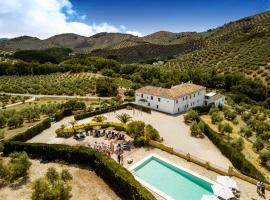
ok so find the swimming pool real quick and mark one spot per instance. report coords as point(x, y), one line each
point(169, 180)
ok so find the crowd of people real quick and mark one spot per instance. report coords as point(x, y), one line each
point(105, 148)
point(110, 149)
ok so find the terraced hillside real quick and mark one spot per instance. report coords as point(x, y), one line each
point(163, 45)
point(56, 84)
point(247, 52)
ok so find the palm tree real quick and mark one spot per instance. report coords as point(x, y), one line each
point(124, 118)
point(99, 118)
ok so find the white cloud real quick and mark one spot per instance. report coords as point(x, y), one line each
point(83, 17)
point(45, 18)
point(136, 33)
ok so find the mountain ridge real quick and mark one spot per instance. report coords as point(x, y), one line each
point(160, 45)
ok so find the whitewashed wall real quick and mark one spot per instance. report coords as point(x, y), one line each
point(170, 105)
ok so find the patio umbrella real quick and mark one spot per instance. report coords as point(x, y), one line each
point(227, 181)
point(222, 191)
point(209, 197)
point(97, 127)
point(111, 128)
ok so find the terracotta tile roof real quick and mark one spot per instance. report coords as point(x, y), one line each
point(172, 93)
point(216, 97)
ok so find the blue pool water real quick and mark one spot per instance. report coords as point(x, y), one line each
point(174, 182)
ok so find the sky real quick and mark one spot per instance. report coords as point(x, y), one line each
point(45, 18)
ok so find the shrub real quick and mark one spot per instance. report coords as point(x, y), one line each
point(15, 121)
point(116, 176)
point(99, 118)
point(190, 116)
point(141, 141)
point(52, 186)
point(33, 131)
point(236, 157)
point(229, 115)
point(238, 144)
point(247, 133)
point(225, 128)
point(52, 175)
point(68, 132)
point(265, 158)
point(215, 118)
point(136, 128)
point(258, 145)
point(2, 134)
point(106, 87)
point(195, 130)
point(124, 118)
point(3, 120)
point(65, 175)
point(152, 133)
point(213, 109)
point(16, 168)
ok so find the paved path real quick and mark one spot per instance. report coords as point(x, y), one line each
point(172, 128)
point(55, 96)
point(18, 103)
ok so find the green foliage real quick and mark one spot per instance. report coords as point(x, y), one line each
point(265, 158)
point(74, 105)
point(110, 109)
point(68, 132)
point(225, 128)
point(191, 115)
point(3, 120)
point(247, 133)
point(2, 134)
point(99, 118)
point(53, 55)
point(52, 186)
point(258, 145)
point(16, 168)
point(195, 130)
point(238, 144)
point(141, 141)
point(106, 87)
point(236, 157)
point(213, 109)
point(33, 131)
point(65, 175)
point(15, 121)
point(116, 176)
point(216, 118)
point(229, 115)
point(52, 175)
point(124, 118)
point(136, 128)
point(31, 114)
point(152, 133)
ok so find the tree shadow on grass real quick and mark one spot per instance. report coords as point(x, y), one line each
point(20, 183)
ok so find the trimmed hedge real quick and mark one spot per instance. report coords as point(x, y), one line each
point(59, 115)
point(33, 131)
point(236, 157)
point(110, 109)
point(68, 132)
point(116, 176)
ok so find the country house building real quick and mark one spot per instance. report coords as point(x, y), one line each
point(176, 99)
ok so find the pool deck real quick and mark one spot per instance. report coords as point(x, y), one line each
point(248, 191)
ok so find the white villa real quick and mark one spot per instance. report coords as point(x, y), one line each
point(176, 99)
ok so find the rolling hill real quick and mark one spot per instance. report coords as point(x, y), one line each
point(226, 45)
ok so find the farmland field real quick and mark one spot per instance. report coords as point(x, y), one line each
point(57, 83)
